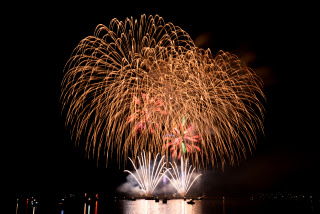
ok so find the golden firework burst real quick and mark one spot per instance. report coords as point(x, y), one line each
point(128, 86)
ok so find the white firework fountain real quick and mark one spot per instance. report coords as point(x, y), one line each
point(147, 176)
point(182, 181)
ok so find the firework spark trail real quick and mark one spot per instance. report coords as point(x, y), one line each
point(147, 177)
point(218, 94)
point(181, 181)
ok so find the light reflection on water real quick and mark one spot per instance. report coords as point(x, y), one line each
point(32, 209)
point(150, 207)
point(139, 206)
point(175, 206)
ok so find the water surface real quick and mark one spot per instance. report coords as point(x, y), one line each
point(174, 206)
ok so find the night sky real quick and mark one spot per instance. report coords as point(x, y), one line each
point(275, 40)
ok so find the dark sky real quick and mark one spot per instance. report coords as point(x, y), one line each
point(275, 40)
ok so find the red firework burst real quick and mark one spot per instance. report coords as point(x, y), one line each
point(182, 140)
point(144, 110)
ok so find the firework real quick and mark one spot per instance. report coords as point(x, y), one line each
point(182, 181)
point(143, 114)
point(125, 87)
point(182, 141)
point(147, 176)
